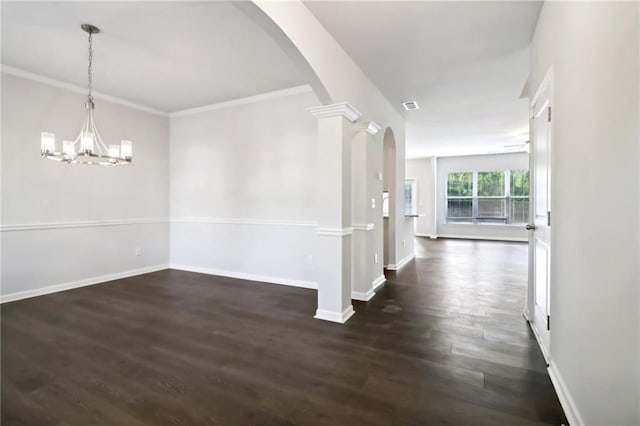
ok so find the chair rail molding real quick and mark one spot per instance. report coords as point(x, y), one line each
point(363, 226)
point(230, 221)
point(81, 224)
point(334, 232)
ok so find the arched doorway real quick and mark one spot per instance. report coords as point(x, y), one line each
point(389, 196)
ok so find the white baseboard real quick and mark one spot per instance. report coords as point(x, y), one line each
point(481, 237)
point(545, 354)
point(432, 236)
point(362, 296)
point(246, 276)
point(568, 405)
point(365, 297)
point(339, 317)
point(396, 266)
point(80, 283)
point(378, 282)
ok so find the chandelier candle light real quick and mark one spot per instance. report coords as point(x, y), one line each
point(88, 147)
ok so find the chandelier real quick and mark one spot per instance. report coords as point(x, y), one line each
point(88, 147)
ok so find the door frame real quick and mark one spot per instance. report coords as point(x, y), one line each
point(546, 86)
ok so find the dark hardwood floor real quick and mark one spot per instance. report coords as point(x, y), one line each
point(443, 342)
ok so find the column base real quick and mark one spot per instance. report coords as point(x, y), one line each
point(362, 296)
point(339, 317)
point(378, 282)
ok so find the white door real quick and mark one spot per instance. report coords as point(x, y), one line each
point(540, 213)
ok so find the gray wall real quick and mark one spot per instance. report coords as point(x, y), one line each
point(594, 348)
point(242, 190)
point(67, 224)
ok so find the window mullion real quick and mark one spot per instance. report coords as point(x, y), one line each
point(507, 192)
point(474, 202)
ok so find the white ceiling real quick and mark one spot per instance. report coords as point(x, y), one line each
point(465, 63)
point(168, 56)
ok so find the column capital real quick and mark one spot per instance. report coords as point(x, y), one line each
point(370, 126)
point(341, 109)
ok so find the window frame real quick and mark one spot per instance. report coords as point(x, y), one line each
point(448, 219)
point(475, 219)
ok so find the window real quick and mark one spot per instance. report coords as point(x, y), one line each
point(491, 199)
point(519, 191)
point(499, 196)
point(410, 197)
point(460, 197)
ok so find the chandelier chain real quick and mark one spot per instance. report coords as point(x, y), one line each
point(90, 69)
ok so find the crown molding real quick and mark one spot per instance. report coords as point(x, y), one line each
point(27, 75)
point(243, 101)
point(370, 126)
point(342, 109)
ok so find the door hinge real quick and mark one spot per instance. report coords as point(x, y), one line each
point(548, 218)
point(549, 114)
point(548, 323)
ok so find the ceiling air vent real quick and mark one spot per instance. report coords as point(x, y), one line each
point(410, 105)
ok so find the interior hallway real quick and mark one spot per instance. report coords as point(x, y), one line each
point(443, 342)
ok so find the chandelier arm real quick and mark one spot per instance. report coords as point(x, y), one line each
point(85, 125)
point(98, 138)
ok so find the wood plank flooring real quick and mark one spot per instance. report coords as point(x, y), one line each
point(442, 343)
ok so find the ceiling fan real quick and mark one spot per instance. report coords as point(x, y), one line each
point(524, 146)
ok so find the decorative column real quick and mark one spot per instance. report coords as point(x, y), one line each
point(363, 253)
point(333, 207)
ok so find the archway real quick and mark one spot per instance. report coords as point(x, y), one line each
point(389, 196)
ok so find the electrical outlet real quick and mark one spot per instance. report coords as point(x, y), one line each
point(375, 258)
point(373, 203)
point(309, 259)
point(403, 244)
point(138, 251)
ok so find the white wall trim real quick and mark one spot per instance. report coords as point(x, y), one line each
point(228, 221)
point(341, 109)
point(363, 226)
point(27, 75)
point(370, 126)
point(246, 276)
point(567, 402)
point(244, 101)
point(423, 235)
point(545, 354)
point(339, 317)
point(80, 224)
point(483, 237)
point(396, 266)
point(80, 283)
point(362, 296)
point(334, 232)
point(378, 282)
